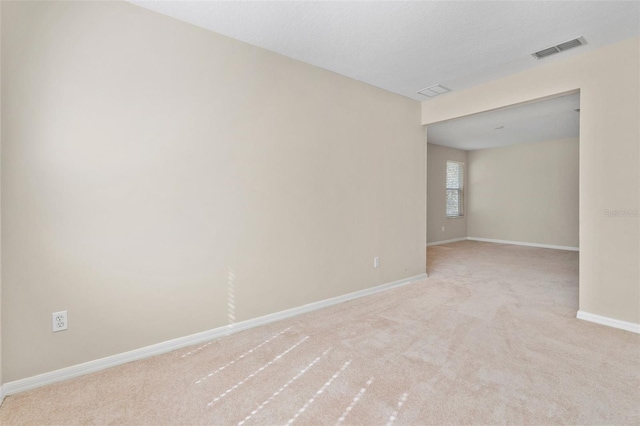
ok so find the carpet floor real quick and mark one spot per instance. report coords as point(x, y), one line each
point(489, 338)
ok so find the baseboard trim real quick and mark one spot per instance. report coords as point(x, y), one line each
point(609, 322)
point(22, 385)
point(520, 243)
point(446, 241)
point(2, 395)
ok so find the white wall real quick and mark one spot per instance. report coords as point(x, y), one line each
point(526, 193)
point(437, 157)
point(609, 161)
point(146, 162)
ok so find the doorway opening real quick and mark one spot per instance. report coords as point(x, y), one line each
point(506, 176)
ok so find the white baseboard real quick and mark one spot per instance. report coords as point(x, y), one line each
point(22, 385)
point(610, 322)
point(2, 395)
point(446, 241)
point(520, 243)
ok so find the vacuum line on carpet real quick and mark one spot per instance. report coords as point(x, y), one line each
point(197, 349)
point(243, 355)
point(322, 389)
point(394, 416)
point(283, 387)
point(355, 401)
point(252, 375)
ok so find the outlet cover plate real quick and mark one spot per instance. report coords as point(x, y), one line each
point(59, 321)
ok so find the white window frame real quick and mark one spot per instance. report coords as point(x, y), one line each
point(460, 191)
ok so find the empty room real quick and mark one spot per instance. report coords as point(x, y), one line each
point(281, 212)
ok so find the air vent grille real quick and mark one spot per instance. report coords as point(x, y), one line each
point(576, 42)
point(569, 44)
point(433, 91)
point(546, 52)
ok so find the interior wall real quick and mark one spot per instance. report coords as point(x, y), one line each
point(609, 161)
point(525, 192)
point(151, 168)
point(437, 157)
point(1, 381)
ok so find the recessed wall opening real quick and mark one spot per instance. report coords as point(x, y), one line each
point(510, 175)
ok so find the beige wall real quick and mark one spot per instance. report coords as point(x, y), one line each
point(437, 157)
point(609, 161)
point(1, 381)
point(146, 162)
point(525, 192)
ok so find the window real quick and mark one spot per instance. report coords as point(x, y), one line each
point(455, 189)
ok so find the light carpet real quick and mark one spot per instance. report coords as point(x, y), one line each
point(490, 338)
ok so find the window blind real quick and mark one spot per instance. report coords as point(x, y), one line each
point(455, 188)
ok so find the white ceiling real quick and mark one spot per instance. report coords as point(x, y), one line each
point(532, 122)
point(404, 46)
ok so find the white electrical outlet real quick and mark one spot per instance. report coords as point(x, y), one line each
point(443, 229)
point(59, 321)
point(376, 262)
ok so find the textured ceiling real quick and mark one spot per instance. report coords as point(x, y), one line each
point(532, 122)
point(406, 46)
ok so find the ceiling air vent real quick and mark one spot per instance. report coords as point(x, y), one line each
point(559, 48)
point(433, 91)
